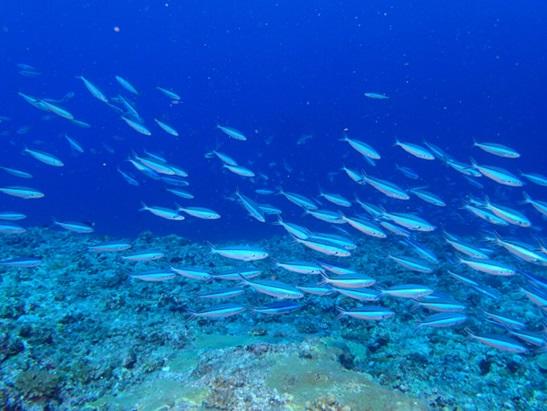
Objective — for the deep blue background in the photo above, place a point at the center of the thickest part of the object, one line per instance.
(453, 70)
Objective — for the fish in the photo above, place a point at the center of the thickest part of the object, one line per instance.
(299, 200)
(360, 294)
(21, 262)
(275, 289)
(319, 290)
(521, 250)
(75, 226)
(163, 212)
(130, 110)
(376, 96)
(80, 123)
(154, 276)
(278, 307)
(500, 342)
(169, 93)
(181, 193)
(144, 255)
(507, 214)
(11, 228)
(200, 212)
(441, 304)
(469, 250)
(387, 188)
(16, 172)
(407, 172)
(129, 178)
(414, 291)
(44, 157)
(497, 149)
(138, 127)
(241, 253)
(253, 209)
(395, 229)
(536, 178)
(463, 168)
(410, 221)
(353, 175)
(94, 90)
(370, 313)
(167, 128)
(193, 273)
(126, 85)
(421, 250)
(536, 296)
(225, 158)
(374, 210)
(295, 230)
(236, 275)
(328, 216)
(110, 247)
(498, 174)
(416, 150)
(509, 323)
(323, 247)
(270, 209)
(26, 193)
(488, 266)
(232, 133)
(365, 227)
(412, 264)
(219, 311)
(223, 293)
(530, 337)
(486, 215)
(335, 239)
(74, 145)
(336, 199)
(428, 197)
(239, 170)
(540, 206)
(12, 216)
(362, 148)
(301, 267)
(351, 281)
(444, 319)
(154, 164)
(57, 110)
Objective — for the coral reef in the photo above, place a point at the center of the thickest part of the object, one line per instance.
(78, 333)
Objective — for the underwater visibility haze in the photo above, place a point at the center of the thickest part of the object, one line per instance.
(289, 205)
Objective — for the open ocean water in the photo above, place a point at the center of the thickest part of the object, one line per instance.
(289, 205)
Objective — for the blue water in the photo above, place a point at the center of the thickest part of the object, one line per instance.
(275, 71)
(290, 75)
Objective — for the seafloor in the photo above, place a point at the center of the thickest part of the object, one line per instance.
(79, 334)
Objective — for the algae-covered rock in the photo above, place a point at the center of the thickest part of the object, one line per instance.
(37, 385)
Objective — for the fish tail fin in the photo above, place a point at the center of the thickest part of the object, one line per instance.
(527, 198)
(341, 312)
(473, 162)
(468, 331)
(415, 306)
(278, 221)
(143, 206)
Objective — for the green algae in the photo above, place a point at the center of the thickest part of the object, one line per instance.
(163, 390)
(307, 380)
(310, 380)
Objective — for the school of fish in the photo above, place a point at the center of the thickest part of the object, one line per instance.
(511, 228)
